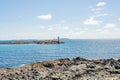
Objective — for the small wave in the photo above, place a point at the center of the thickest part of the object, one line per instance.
(22, 65)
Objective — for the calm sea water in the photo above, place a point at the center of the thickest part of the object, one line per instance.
(16, 55)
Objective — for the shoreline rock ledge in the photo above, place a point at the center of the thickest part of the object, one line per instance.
(65, 69)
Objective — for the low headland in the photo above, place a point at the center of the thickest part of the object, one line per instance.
(65, 69)
(32, 42)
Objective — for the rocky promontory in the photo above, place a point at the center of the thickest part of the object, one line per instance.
(32, 42)
(65, 69)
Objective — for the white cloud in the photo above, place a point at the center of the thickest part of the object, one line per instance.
(101, 14)
(110, 26)
(45, 17)
(92, 21)
(85, 29)
(100, 4)
(50, 28)
(98, 30)
(97, 9)
(107, 33)
(118, 19)
(98, 12)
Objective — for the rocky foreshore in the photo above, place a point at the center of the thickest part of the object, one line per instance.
(65, 69)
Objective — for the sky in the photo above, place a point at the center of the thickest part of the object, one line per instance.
(47, 19)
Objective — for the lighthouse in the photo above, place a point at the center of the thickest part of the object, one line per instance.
(58, 40)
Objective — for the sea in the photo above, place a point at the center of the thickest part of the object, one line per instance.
(16, 55)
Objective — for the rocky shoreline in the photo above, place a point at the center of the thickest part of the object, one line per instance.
(65, 69)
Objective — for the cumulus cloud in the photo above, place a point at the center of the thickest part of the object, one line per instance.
(45, 17)
(100, 4)
(92, 21)
(110, 26)
(98, 12)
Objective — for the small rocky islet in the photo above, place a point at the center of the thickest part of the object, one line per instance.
(32, 42)
(65, 69)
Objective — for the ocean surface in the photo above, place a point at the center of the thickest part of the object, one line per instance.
(18, 54)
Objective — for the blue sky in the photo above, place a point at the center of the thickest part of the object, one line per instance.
(47, 19)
